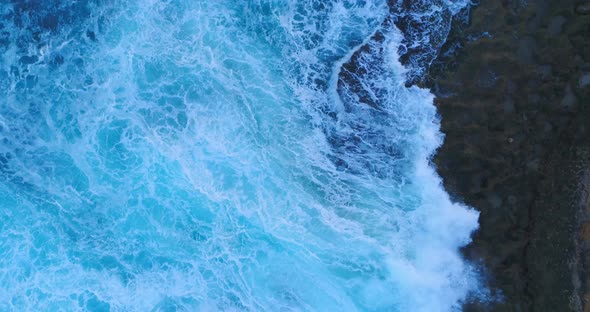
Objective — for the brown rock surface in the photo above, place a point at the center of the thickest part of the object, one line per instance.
(517, 147)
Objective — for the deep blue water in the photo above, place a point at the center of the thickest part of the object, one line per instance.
(193, 155)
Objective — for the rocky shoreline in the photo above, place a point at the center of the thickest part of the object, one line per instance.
(513, 91)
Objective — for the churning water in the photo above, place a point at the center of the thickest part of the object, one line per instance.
(224, 155)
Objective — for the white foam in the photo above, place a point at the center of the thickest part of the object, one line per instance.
(188, 158)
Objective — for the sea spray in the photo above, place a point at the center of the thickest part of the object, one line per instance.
(202, 155)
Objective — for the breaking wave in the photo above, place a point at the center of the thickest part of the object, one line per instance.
(182, 155)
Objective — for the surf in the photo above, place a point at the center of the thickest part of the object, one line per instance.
(198, 155)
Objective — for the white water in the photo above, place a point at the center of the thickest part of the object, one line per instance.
(198, 156)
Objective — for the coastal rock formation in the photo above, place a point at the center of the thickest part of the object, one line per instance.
(512, 89)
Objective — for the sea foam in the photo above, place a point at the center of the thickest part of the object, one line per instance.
(200, 155)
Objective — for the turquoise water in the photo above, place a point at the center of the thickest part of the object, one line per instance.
(191, 155)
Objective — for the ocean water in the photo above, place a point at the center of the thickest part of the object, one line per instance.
(198, 155)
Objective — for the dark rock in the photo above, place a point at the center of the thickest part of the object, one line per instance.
(556, 25)
(533, 165)
(569, 100)
(495, 201)
(526, 49)
(508, 105)
(487, 78)
(583, 8)
(545, 71)
(548, 127)
(512, 147)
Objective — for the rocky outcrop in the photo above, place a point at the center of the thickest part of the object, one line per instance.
(514, 96)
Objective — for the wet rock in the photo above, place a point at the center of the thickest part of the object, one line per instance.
(556, 25)
(519, 134)
(534, 99)
(545, 71)
(548, 127)
(569, 100)
(495, 201)
(526, 49)
(583, 8)
(533, 165)
(508, 105)
(487, 78)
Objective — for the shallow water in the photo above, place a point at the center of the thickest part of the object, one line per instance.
(200, 155)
